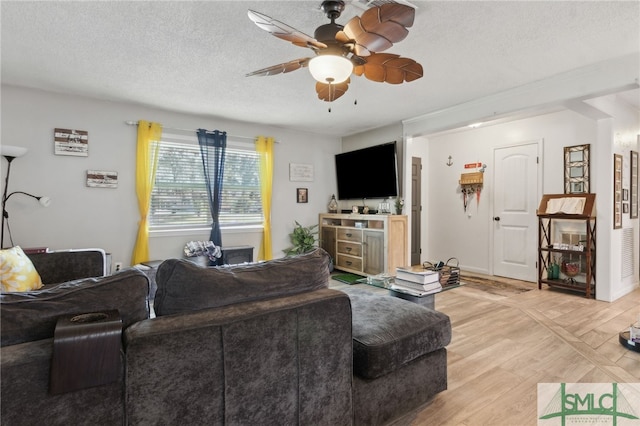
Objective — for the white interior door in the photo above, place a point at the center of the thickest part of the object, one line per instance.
(516, 199)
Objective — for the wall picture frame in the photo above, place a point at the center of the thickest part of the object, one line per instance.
(633, 185)
(300, 172)
(102, 179)
(617, 191)
(302, 195)
(576, 169)
(71, 142)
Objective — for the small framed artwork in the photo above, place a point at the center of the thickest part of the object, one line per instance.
(102, 179)
(71, 142)
(302, 195)
(633, 212)
(300, 172)
(625, 194)
(617, 191)
(625, 207)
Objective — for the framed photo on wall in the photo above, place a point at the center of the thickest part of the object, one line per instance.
(71, 142)
(300, 172)
(102, 179)
(302, 195)
(617, 191)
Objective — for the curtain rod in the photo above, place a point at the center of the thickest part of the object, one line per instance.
(135, 123)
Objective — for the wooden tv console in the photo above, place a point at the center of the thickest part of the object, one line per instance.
(368, 244)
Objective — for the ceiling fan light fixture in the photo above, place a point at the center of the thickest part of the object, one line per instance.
(330, 69)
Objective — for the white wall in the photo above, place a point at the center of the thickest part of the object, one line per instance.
(621, 131)
(108, 218)
(466, 235)
(448, 231)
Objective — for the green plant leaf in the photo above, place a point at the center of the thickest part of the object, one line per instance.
(303, 239)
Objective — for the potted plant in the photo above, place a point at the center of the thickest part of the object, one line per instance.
(303, 239)
(399, 205)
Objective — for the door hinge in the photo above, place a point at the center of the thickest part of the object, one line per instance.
(537, 160)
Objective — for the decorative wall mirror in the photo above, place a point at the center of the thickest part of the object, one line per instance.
(576, 169)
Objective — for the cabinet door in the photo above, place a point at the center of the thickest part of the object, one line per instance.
(328, 241)
(397, 247)
(373, 252)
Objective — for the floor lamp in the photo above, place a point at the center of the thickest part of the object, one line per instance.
(11, 153)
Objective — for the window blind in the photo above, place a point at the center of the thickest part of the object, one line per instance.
(179, 198)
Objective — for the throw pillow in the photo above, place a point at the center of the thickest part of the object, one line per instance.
(17, 273)
(184, 286)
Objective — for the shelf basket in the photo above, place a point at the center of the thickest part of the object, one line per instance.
(449, 273)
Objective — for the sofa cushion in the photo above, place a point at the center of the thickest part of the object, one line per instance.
(68, 265)
(17, 273)
(26, 399)
(184, 286)
(33, 315)
(389, 332)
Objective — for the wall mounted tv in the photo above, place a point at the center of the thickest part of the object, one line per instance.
(367, 173)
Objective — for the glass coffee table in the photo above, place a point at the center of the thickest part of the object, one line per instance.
(427, 300)
(376, 281)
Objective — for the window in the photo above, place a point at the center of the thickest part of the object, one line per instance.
(179, 198)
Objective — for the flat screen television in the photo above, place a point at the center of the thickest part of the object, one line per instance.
(367, 173)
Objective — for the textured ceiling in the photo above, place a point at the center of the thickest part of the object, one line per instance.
(192, 57)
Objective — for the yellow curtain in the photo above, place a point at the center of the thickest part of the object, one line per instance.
(264, 147)
(149, 135)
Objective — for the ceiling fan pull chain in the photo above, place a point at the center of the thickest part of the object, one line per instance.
(332, 90)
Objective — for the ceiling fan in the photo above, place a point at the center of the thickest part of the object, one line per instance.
(352, 49)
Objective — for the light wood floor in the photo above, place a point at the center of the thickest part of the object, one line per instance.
(503, 345)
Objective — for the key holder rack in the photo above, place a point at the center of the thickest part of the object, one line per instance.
(471, 183)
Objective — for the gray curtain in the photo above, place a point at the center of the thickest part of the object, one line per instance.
(213, 145)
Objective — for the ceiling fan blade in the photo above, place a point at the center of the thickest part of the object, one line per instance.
(284, 31)
(331, 92)
(378, 28)
(281, 68)
(389, 68)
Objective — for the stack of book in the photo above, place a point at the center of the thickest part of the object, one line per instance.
(416, 281)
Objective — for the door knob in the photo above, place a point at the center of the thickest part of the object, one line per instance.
(497, 218)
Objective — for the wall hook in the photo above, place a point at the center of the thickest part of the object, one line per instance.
(450, 162)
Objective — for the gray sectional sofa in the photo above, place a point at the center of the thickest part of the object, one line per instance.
(265, 343)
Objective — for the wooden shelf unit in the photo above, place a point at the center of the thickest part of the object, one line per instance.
(547, 238)
(368, 244)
